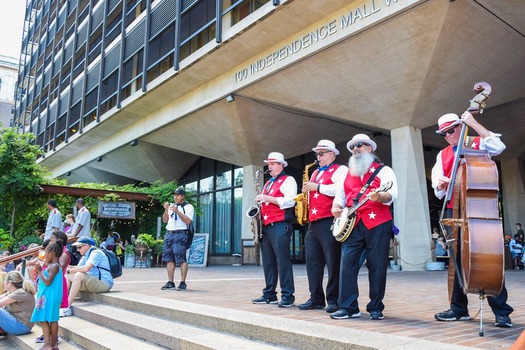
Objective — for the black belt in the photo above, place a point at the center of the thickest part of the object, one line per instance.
(278, 222)
(177, 231)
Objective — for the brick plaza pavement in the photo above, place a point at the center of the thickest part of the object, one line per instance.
(411, 300)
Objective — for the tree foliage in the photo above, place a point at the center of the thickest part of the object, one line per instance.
(20, 175)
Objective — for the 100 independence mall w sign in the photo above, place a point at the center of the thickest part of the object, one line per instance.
(359, 15)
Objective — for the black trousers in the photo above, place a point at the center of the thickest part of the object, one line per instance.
(277, 263)
(459, 302)
(375, 243)
(322, 249)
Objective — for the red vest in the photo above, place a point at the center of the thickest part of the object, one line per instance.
(320, 204)
(372, 213)
(447, 160)
(272, 212)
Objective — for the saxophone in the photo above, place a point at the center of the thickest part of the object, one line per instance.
(254, 212)
(302, 207)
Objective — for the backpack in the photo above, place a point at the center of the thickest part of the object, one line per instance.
(191, 229)
(74, 257)
(115, 267)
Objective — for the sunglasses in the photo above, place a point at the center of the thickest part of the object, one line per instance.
(320, 154)
(357, 145)
(449, 131)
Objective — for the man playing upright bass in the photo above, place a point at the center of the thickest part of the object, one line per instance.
(449, 126)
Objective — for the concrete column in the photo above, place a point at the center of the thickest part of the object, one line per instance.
(513, 191)
(411, 212)
(248, 196)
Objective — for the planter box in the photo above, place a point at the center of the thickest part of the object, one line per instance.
(435, 266)
(129, 260)
(394, 267)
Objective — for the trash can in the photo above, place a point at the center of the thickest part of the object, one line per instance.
(237, 260)
(250, 252)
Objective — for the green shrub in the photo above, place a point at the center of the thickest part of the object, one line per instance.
(145, 239)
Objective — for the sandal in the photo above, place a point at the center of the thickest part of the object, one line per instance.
(40, 339)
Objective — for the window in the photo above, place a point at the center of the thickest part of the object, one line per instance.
(90, 101)
(193, 25)
(160, 56)
(245, 9)
(218, 188)
(109, 85)
(134, 9)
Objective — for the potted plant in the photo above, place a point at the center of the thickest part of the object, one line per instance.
(394, 264)
(143, 246)
(129, 255)
(157, 252)
(145, 239)
(434, 265)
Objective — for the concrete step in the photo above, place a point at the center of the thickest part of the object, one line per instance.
(27, 341)
(285, 332)
(166, 333)
(93, 336)
(75, 333)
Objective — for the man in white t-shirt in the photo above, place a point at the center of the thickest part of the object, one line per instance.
(54, 220)
(82, 225)
(177, 216)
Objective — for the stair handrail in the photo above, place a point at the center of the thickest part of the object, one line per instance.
(27, 252)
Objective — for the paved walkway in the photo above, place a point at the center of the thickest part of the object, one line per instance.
(411, 300)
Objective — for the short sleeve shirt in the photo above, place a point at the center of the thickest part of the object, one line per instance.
(53, 220)
(176, 223)
(84, 219)
(22, 308)
(98, 259)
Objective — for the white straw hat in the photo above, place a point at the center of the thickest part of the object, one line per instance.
(447, 121)
(276, 157)
(325, 145)
(361, 138)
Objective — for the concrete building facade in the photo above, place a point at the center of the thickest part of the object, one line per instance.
(202, 90)
(8, 77)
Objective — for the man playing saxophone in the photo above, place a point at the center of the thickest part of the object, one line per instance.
(320, 245)
(277, 201)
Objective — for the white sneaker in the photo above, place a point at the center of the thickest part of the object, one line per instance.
(66, 312)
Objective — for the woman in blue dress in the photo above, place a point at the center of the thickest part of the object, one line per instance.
(49, 296)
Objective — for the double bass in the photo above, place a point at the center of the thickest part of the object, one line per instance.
(475, 221)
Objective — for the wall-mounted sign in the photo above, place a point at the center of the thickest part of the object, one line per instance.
(116, 210)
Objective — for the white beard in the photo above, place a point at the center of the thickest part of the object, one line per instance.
(360, 163)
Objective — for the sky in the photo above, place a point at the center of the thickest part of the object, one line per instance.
(11, 26)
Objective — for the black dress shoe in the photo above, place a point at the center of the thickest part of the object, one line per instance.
(343, 314)
(376, 315)
(309, 305)
(330, 308)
